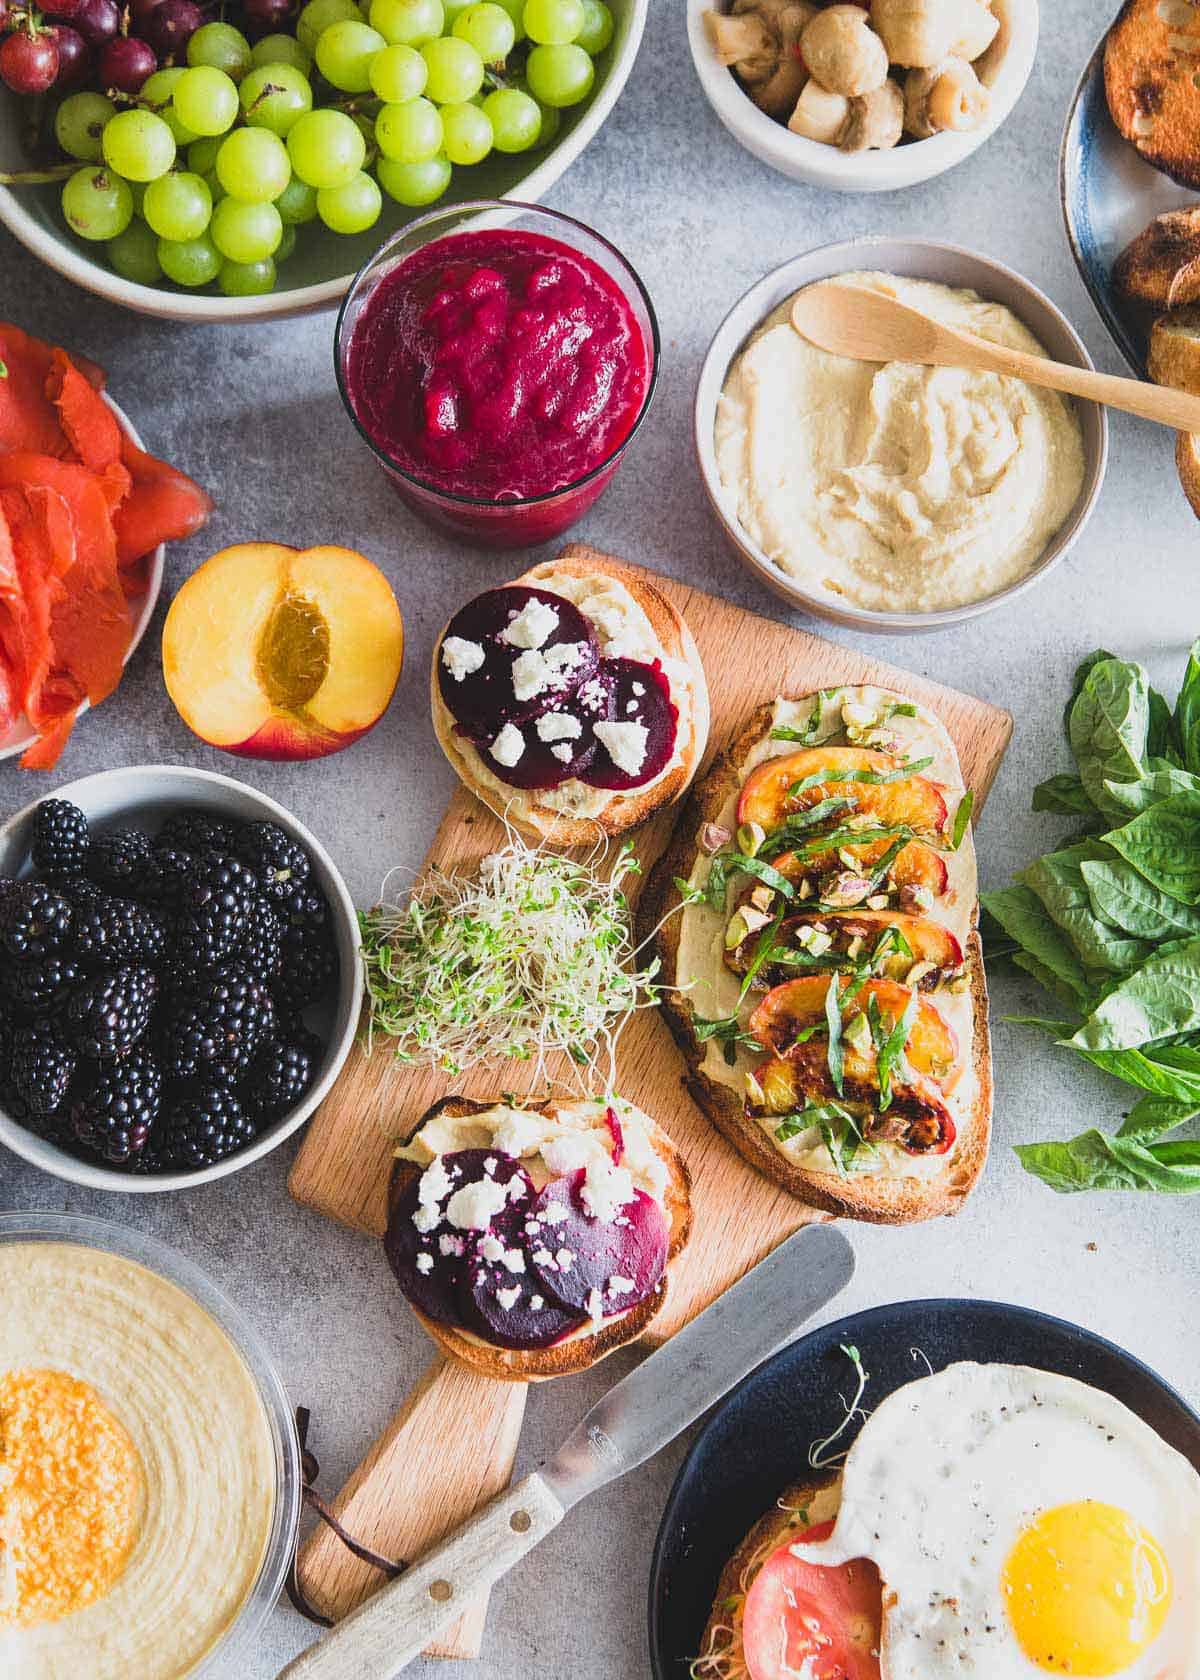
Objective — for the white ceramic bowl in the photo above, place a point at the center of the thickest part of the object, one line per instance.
(1005, 69)
(158, 1258)
(21, 735)
(324, 264)
(924, 259)
(141, 798)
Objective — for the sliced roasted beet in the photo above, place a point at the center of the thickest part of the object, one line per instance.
(483, 701)
(429, 1265)
(572, 1257)
(539, 766)
(488, 1306)
(641, 694)
(616, 1133)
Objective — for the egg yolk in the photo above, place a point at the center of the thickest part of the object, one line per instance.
(1086, 1590)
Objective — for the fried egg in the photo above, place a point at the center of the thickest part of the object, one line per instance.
(1023, 1524)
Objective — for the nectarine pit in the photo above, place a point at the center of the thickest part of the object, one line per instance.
(292, 656)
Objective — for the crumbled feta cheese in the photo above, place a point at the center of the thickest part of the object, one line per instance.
(595, 1306)
(536, 1303)
(425, 1219)
(475, 1206)
(450, 1247)
(508, 1298)
(566, 1154)
(554, 1213)
(631, 708)
(461, 657)
(564, 1259)
(638, 688)
(606, 1190)
(534, 672)
(508, 746)
(543, 1257)
(621, 1286)
(593, 695)
(491, 1248)
(516, 1189)
(625, 743)
(425, 1262)
(559, 726)
(513, 1260)
(489, 1166)
(564, 752)
(531, 627)
(519, 1133)
(532, 1227)
(435, 1185)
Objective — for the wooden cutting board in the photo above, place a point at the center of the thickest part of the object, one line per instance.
(452, 1445)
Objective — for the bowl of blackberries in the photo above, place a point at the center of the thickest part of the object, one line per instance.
(179, 978)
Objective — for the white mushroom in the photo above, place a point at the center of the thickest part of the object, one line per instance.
(743, 43)
(920, 33)
(759, 41)
(979, 31)
(875, 121)
(819, 114)
(947, 97)
(843, 52)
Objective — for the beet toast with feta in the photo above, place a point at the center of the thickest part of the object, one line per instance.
(758, 1061)
(597, 750)
(571, 1338)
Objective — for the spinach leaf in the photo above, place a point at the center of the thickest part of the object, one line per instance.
(1163, 845)
(1160, 999)
(1124, 897)
(1187, 712)
(1093, 1161)
(1159, 783)
(1108, 726)
(1058, 881)
(1064, 795)
(1023, 917)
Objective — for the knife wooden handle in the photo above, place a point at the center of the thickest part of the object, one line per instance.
(384, 1635)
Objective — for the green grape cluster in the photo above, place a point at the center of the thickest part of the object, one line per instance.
(209, 173)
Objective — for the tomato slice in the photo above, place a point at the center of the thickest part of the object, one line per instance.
(817, 1620)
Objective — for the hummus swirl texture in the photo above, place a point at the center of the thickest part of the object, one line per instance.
(896, 487)
(176, 1383)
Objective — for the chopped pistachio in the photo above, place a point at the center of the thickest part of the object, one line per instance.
(961, 981)
(736, 930)
(804, 890)
(857, 1033)
(858, 716)
(763, 896)
(877, 901)
(754, 918)
(917, 973)
(754, 1090)
(855, 947)
(713, 837)
(848, 858)
(750, 837)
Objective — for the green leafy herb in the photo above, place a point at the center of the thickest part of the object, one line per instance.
(1059, 882)
(1163, 844)
(783, 838)
(874, 778)
(900, 708)
(961, 818)
(1187, 713)
(1108, 727)
(1122, 896)
(833, 1020)
(1160, 782)
(1023, 917)
(1064, 795)
(1161, 999)
(889, 1043)
(1094, 1161)
(812, 728)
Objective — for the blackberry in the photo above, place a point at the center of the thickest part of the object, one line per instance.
(41, 1067)
(111, 1013)
(116, 930)
(61, 837)
(35, 919)
(213, 924)
(281, 1074)
(279, 864)
(308, 969)
(168, 875)
(118, 860)
(215, 1037)
(262, 948)
(36, 988)
(114, 1117)
(304, 909)
(78, 890)
(196, 831)
(203, 1127)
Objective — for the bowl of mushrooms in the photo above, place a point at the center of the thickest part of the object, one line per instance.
(863, 98)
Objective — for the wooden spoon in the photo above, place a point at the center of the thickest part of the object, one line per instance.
(871, 327)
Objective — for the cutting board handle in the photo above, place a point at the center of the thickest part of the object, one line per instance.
(448, 1450)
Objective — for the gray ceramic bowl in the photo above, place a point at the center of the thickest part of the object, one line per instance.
(142, 797)
(923, 259)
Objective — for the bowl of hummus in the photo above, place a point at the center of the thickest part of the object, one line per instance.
(150, 1476)
(888, 496)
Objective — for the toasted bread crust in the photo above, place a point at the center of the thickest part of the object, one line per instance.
(891, 1201)
(624, 810)
(1154, 102)
(1161, 267)
(1174, 357)
(1187, 464)
(819, 1491)
(580, 1352)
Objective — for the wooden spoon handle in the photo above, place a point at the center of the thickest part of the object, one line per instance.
(1150, 402)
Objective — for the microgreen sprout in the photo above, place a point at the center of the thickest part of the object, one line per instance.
(824, 1455)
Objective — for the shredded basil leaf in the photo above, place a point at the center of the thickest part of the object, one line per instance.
(874, 778)
(811, 730)
(961, 818)
(833, 1019)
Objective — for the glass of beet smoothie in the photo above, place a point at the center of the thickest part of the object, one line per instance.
(497, 358)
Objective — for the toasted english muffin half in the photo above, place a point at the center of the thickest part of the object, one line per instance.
(577, 815)
(587, 1346)
(887, 1186)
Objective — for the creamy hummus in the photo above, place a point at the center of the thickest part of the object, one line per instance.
(712, 989)
(177, 1386)
(895, 487)
(624, 632)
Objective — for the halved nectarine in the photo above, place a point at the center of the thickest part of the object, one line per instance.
(283, 653)
(927, 942)
(787, 1010)
(915, 865)
(770, 794)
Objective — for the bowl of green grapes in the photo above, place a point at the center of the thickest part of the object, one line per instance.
(197, 161)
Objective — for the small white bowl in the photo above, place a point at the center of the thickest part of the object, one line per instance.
(21, 736)
(1005, 68)
(141, 798)
(923, 259)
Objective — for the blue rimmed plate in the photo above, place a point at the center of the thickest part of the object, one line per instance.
(757, 1440)
(1109, 194)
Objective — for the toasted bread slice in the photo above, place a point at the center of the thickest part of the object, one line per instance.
(1174, 357)
(879, 1199)
(799, 1506)
(1160, 269)
(1187, 463)
(584, 1349)
(622, 811)
(1151, 60)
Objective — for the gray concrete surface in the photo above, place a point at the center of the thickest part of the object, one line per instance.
(254, 415)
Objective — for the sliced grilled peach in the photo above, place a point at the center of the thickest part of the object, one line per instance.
(917, 1118)
(915, 865)
(928, 943)
(788, 1010)
(769, 795)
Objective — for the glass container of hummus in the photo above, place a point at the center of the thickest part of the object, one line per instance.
(120, 1330)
